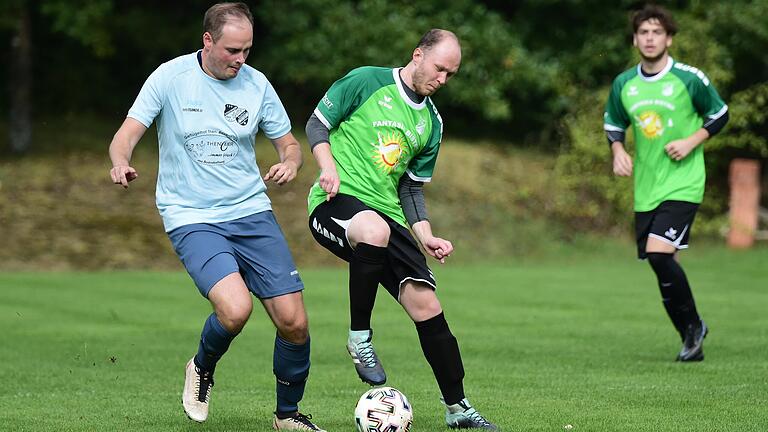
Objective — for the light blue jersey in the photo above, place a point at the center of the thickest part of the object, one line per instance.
(206, 129)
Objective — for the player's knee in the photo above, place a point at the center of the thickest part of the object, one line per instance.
(294, 329)
(234, 316)
(373, 232)
(660, 261)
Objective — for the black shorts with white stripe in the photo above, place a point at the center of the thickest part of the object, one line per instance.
(669, 222)
(329, 222)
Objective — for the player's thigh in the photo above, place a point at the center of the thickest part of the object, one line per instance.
(205, 253)
(408, 277)
(263, 257)
(231, 301)
(419, 300)
(670, 227)
(330, 223)
(289, 316)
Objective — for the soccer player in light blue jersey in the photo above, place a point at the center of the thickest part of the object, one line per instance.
(208, 106)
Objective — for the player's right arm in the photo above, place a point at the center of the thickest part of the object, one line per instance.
(121, 149)
(615, 124)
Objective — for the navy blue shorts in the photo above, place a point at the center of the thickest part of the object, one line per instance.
(253, 246)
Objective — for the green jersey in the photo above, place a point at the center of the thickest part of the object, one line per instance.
(668, 106)
(377, 134)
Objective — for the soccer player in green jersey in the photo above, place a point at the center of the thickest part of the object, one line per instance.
(672, 108)
(375, 135)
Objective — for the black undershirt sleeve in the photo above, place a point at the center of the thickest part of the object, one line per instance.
(714, 126)
(614, 136)
(316, 132)
(411, 194)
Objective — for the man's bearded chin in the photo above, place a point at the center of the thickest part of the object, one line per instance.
(654, 58)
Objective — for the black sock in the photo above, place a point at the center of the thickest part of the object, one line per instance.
(366, 268)
(675, 291)
(442, 353)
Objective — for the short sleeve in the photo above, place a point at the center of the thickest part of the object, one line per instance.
(274, 119)
(615, 117)
(344, 96)
(422, 166)
(706, 100)
(151, 98)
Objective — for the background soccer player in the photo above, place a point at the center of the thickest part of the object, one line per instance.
(376, 135)
(209, 105)
(672, 108)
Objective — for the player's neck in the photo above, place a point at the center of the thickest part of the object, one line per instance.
(203, 64)
(654, 66)
(406, 74)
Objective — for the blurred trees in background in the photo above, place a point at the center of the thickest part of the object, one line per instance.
(534, 73)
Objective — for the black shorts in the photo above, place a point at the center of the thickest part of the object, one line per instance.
(670, 222)
(329, 221)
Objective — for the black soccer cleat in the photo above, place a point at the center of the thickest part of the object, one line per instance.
(693, 342)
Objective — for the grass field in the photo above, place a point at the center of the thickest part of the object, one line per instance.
(573, 338)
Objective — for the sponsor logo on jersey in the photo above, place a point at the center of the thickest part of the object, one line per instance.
(632, 91)
(668, 89)
(387, 150)
(211, 147)
(327, 102)
(234, 113)
(650, 123)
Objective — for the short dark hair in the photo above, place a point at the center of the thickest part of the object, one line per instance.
(652, 11)
(433, 37)
(217, 16)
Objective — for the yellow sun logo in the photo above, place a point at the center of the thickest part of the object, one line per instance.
(651, 124)
(387, 150)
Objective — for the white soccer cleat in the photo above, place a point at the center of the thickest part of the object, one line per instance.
(298, 422)
(461, 415)
(197, 392)
(367, 364)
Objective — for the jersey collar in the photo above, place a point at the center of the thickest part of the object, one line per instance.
(658, 76)
(403, 95)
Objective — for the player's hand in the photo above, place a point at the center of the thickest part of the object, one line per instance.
(679, 149)
(622, 163)
(123, 174)
(281, 173)
(329, 182)
(438, 248)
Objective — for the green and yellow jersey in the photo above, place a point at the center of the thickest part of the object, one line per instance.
(668, 106)
(377, 134)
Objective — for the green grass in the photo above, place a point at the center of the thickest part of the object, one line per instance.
(575, 338)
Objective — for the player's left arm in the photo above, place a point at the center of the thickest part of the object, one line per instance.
(289, 151)
(411, 193)
(711, 108)
(435, 247)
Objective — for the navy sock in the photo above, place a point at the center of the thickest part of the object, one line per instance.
(675, 290)
(366, 269)
(214, 342)
(442, 353)
(291, 367)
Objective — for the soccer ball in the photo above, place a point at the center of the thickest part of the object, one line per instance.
(383, 409)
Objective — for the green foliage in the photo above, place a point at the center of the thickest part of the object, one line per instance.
(84, 20)
(323, 39)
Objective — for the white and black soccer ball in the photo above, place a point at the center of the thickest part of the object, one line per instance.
(383, 409)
